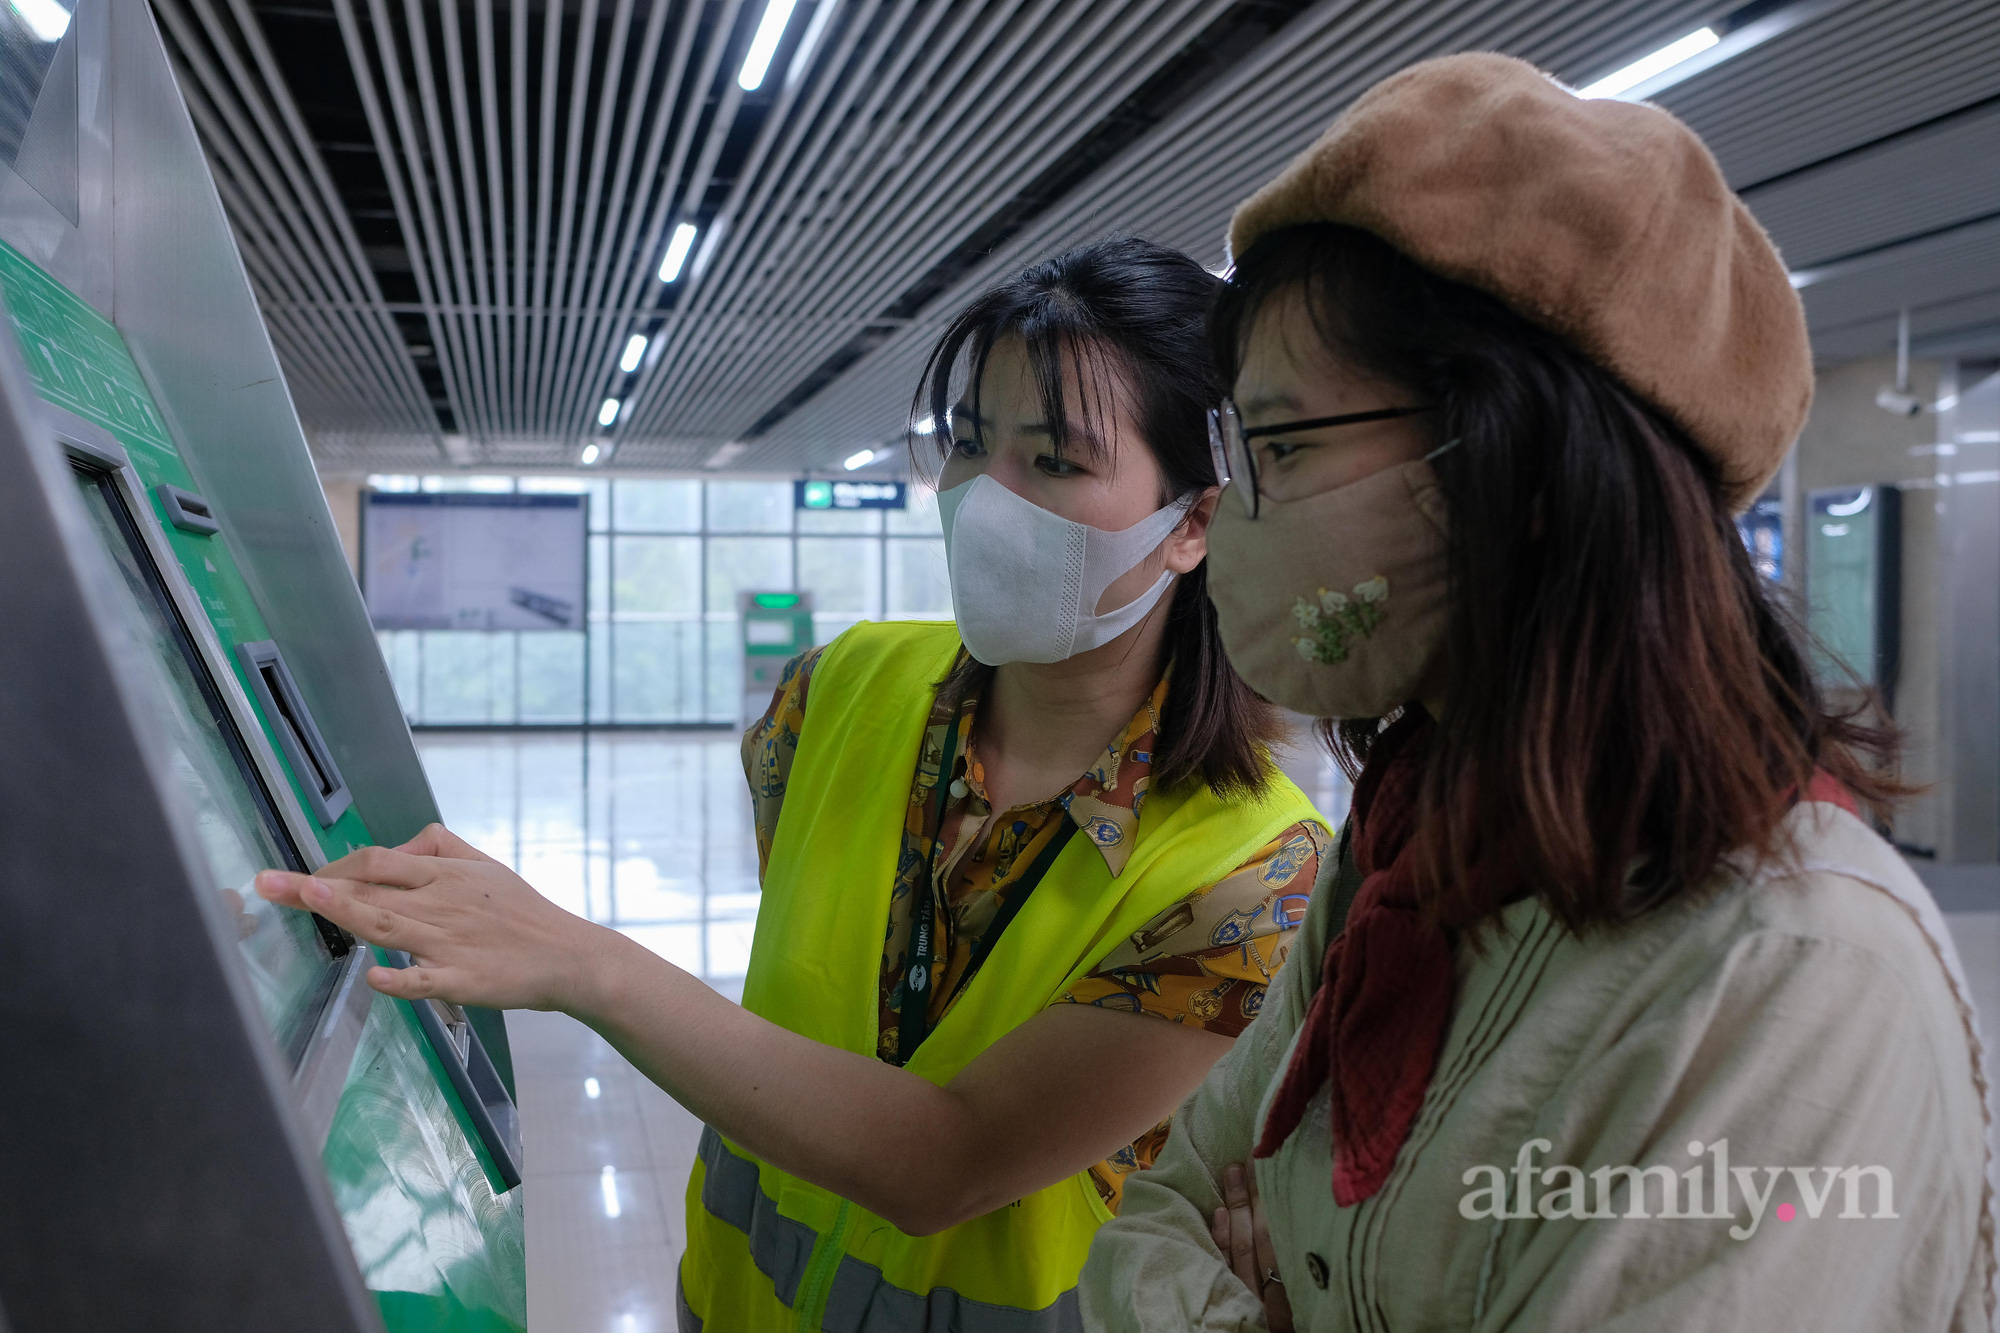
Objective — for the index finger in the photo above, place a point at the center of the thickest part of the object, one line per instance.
(382, 865)
(355, 906)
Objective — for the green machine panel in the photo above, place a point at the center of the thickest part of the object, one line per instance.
(436, 1229)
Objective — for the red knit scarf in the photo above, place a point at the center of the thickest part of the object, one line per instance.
(1384, 998)
(1379, 1017)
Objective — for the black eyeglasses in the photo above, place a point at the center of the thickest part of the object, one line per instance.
(1229, 442)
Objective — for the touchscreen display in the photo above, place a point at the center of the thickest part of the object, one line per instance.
(287, 962)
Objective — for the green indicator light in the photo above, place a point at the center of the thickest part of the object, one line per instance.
(819, 495)
(776, 601)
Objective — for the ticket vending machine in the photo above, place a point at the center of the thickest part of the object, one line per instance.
(208, 1120)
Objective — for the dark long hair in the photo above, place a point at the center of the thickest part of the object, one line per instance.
(1124, 316)
(1623, 686)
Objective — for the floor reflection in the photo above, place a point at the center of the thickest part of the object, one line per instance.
(647, 832)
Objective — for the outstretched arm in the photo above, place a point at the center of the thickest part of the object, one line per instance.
(1064, 1090)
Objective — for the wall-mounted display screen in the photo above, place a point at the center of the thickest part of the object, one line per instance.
(472, 561)
(1853, 582)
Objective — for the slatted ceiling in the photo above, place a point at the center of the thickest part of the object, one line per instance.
(1839, 81)
(1917, 182)
(1966, 325)
(453, 212)
(852, 411)
(1180, 183)
(911, 186)
(1862, 70)
(1923, 274)
(319, 293)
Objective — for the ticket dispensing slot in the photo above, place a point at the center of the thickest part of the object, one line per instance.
(298, 735)
(485, 1098)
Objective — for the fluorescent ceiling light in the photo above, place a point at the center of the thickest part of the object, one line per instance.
(1646, 67)
(635, 351)
(607, 413)
(862, 459)
(926, 426)
(765, 44)
(725, 454)
(1702, 49)
(677, 251)
(591, 1089)
(48, 20)
(590, 455)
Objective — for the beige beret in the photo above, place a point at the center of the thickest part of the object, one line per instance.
(1608, 223)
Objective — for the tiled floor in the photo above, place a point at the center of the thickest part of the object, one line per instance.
(649, 832)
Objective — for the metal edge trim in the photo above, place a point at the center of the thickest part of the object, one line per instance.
(476, 1109)
(321, 1075)
(277, 780)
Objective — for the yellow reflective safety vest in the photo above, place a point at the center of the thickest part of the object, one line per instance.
(766, 1250)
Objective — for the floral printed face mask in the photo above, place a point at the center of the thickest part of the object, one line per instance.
(1334, 604)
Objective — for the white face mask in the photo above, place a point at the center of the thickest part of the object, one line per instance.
(1025, 582)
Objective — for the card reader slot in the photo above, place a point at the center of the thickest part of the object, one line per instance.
(298, 735)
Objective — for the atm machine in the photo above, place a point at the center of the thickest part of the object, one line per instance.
(207, 1119)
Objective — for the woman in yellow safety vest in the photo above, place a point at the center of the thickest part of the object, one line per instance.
(943, 1068)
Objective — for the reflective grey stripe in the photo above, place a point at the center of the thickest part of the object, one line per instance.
(862, 1300)
(780, 1246)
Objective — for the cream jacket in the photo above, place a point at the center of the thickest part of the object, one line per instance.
(1806, 1023)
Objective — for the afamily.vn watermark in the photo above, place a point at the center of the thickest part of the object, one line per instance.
(1702, 1191)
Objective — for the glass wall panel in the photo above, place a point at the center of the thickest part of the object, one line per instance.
(725, 671)
(550, 675)
(401, 654)
(919, 585)
(656, 671)
(854, 521)
(656, 574)
(668, 558)
(600, 670)
(746, 564)
(467, 676)
(921, 518)
(657, 506)
(749, 506)
(598, 555)
(844, 575)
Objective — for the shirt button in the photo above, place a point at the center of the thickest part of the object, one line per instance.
(1317, 1267)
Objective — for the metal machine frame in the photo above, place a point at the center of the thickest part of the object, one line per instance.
(154, 1176)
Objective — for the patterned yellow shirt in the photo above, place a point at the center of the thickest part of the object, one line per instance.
(1205, 961)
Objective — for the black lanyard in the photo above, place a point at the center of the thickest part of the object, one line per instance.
(913, 1021)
